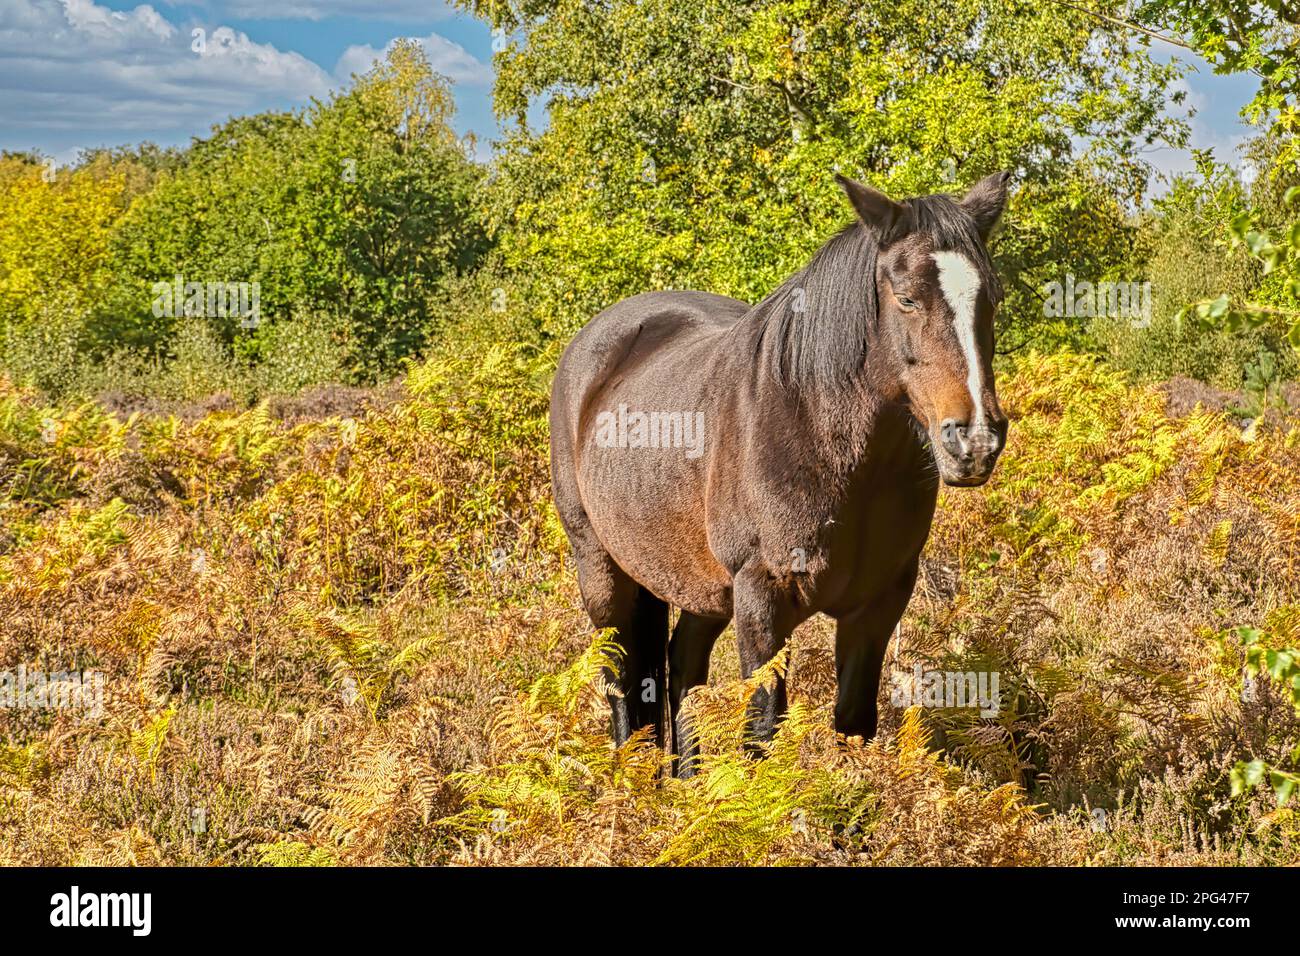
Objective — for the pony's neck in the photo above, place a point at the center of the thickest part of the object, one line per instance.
(817, 354)
(815, 328)
(846, 425)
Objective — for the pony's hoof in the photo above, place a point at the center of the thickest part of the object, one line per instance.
(846, 836)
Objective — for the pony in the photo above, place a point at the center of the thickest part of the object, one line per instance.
(761, 464)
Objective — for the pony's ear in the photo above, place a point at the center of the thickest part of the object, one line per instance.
(985, 202)
(873, 208)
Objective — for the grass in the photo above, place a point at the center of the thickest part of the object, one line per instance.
(359, 641)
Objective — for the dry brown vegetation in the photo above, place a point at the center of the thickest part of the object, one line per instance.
(357, 640)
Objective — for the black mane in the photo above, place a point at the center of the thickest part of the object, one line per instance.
(826, 342)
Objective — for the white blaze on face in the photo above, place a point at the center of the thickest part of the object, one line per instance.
(960, 282)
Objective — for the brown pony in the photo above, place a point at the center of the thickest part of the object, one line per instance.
(764, 463)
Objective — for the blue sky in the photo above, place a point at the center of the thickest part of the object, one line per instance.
(82, 73)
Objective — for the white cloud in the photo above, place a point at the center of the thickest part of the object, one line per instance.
(1209, 127)
(68, 65)
(450, 59)
(325, 9)
(105, 24)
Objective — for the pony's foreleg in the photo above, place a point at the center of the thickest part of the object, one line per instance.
(761, 631)
(861, 637)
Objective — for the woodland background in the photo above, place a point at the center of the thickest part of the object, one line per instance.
(316, 560)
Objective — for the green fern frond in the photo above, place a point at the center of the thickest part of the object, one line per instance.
(147, 742)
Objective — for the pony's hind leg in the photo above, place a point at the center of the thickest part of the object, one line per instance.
(688, 666)
(646, 674)
(613, 599)
(640, 620)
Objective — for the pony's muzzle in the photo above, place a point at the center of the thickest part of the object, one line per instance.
(971, 452)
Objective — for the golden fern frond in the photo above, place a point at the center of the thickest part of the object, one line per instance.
(1216, 543)
(379, 788)
(135, 631)
(21, 765)
(413, 655)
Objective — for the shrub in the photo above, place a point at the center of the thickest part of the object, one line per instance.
(357, 640)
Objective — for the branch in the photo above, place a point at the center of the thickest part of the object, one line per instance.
(739, 86)
(1115, 21)
(1012, 350)
(793, 102)
(1030, 288)
(1271, 310)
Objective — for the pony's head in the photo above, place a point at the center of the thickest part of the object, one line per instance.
(936, 294)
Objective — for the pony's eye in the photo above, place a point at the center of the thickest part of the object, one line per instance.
(907, 304)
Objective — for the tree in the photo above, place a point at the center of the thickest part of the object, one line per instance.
(352, 210)
(54, 236)
(387, 200)
(1263, 39)
(695, 144)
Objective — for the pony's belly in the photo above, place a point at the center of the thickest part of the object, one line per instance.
(689, 587)
(651, 522)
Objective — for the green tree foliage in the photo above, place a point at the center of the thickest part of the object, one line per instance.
(55, 232)
(141, 166)
(354, 210)
(1183, 249)
(54, 229)
(695, 144)
(1238, 36)
(1260, 38)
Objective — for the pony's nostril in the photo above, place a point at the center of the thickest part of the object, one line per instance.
(986, 443)
(953, 435)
